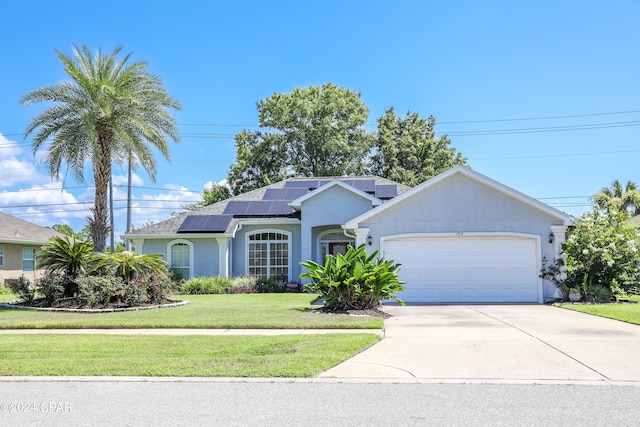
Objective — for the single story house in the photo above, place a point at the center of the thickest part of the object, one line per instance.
(460, 236)
(19, 242)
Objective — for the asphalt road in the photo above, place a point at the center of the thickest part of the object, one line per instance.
(164, 402)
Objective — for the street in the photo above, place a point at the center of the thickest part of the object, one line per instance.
(163, 402)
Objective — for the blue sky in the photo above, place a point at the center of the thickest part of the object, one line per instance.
(570, 68)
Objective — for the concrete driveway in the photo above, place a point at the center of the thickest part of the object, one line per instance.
(498, 342)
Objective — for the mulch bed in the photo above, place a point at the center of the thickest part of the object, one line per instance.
(374, 312)
(74, 303)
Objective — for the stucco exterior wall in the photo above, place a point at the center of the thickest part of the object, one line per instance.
(205, 253)
(12, 263)
(463, 205)
(329, 209)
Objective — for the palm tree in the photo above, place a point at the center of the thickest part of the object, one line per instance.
(110, 110)
(617, 197)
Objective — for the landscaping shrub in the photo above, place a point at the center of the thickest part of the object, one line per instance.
(354, 280)
(23, 288)
(243, 285)
(602, 257)
(158, 287)
(53, 286)
(205, 285)
(100, 290)
(270, 285)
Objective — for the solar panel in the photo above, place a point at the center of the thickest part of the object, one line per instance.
(193, 223)
(386, 191)
(294, 193)
(287, 194)
(366, 185)
(259, 208)
(280, 208)
(205, 223)
(236, 207)
(275, 194)
(301, 184)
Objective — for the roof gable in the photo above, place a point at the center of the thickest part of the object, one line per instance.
(297, 203)
(461, 170)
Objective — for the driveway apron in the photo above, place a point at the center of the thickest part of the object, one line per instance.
(498, 342)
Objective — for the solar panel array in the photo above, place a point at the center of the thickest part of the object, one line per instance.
(383, 191)
(205, 223)
(275, 202)
(257, 208)
(287, 194)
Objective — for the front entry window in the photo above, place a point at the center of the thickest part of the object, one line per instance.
(269, 255)
(334, 244)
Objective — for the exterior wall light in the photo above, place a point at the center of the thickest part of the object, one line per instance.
(551, 237)
(369, 240)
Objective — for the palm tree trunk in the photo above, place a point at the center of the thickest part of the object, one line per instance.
(101, 175)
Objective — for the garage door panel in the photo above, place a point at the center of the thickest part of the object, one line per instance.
(466, 269)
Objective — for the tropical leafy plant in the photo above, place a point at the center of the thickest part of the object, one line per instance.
(355, 280)
(68, 256)
(129, 265)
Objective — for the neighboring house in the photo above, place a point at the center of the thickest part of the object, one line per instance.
(460, 236)
(19, 242)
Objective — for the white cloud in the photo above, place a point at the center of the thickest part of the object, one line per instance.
(223, 182)
(122, 180)
(43, 204)
(16, 165)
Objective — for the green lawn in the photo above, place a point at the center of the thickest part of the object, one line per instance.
(202, 356)
(626, 312)
(240, 311)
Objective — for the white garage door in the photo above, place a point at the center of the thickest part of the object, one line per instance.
(467, 269)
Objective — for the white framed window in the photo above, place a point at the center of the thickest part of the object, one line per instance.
(28, 259)
(333, 242)
(1, 256)
(180, 253)
(269, 254)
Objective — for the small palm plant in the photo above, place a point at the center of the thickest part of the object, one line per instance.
(129, 265)
(67, 256)
(355, 280)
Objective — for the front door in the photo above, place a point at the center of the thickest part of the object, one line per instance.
(336, 248)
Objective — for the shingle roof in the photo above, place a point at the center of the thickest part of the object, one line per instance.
(16, 230)
(171, 225)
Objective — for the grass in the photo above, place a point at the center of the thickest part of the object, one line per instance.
(240, 311)
(163, 355)
(625, 312)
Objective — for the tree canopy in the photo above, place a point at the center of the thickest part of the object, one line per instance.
(618, 198)
(314, 131)
(407, 151)
(212, 195)
(110, 110)
(319, 131)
